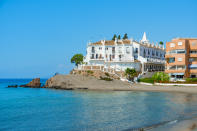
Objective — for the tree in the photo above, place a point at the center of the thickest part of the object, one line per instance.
(161, 43)
(160, 77)
(130, 73)
(77, 59)
(114, 37)
(125, 36)
(119, 37)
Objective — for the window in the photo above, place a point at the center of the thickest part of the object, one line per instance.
(153, 53)
(136, 50)
(135, 57)
(193, 51)
(192, 59)
(180, 43)
(120, 49)
(171, 60)
(92, 56)
(172, 45)
(144, 53)
(113, 49)
(180, 67)
(176, 52)
(100, 48)
(120, 57)
(179, 59)
(106, 48)
(180, 51)
(193, 76)
(179, 76)
(127, 50)
(100, 56)
(193, 66)
(96, 56)
(172, 68)
(156, 53)
(93, 50)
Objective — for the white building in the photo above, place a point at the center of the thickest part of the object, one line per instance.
(121, 54)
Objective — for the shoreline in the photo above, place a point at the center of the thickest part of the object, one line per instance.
(140, 88)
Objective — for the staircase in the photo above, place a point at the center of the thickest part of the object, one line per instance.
(147, 75)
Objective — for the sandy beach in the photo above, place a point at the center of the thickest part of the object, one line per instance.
(159, 88)
(76, 82)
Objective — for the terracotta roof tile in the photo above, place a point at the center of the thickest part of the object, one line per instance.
(126, 41)
(109, 42)
(96, 43)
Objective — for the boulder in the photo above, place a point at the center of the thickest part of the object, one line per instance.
(35, 83)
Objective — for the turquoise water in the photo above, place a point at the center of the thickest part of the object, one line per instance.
(48, 109)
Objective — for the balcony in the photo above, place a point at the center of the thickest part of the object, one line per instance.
(175, 71)
(180, 51)
(192, 55)
(193, 71)
(193, 62)
(174, 55)
(193, 68)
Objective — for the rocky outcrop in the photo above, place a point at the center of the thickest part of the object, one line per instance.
(12, 86)
(59, 81)
(35, 83)
(76, 81)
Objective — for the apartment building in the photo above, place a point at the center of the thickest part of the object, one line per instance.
(181, 58)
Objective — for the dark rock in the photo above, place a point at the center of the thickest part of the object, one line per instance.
(12, 86)
(35, 83)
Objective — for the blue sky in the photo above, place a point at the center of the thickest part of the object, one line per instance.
(38, 37)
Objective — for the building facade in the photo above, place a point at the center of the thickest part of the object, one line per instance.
(121, 54)
(181, 58)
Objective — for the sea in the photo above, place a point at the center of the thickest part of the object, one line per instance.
(35, 109)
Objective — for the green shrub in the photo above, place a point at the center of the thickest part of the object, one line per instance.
(147, 80)
(89, 72)
(191, 79)
(161, 77)
(105, 78)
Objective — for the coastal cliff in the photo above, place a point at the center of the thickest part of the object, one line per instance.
(77, 81)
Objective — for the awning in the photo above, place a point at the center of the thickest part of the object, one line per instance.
(177, 74)
(193, 66)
